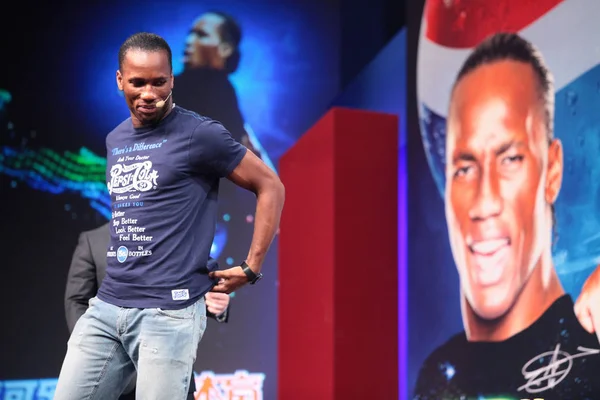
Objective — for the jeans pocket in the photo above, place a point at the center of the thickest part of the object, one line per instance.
(184, 313)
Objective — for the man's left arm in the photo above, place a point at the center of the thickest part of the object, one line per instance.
(254, 175)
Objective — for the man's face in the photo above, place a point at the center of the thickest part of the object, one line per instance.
(145, 78)
(204, 45)
(497, 186)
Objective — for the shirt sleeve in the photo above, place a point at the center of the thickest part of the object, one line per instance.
(213, 151)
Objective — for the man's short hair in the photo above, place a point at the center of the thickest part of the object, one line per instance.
(510, 46)
(146, 42)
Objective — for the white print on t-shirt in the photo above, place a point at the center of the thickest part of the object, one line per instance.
(138, 176)
(137, 147)
(542, 375)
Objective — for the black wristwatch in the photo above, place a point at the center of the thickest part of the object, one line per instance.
(252, 277)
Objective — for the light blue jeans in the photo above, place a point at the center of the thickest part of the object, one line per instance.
(109, 344)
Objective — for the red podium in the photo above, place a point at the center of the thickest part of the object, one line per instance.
(338, 260)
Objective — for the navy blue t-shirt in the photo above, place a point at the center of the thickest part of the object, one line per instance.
(163, 182)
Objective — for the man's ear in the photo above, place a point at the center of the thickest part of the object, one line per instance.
(555, 171)
(119, 80)
(225, 50)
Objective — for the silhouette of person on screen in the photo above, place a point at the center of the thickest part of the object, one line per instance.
(211, 54)
(504, 169)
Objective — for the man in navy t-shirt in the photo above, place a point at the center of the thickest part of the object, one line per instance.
(164, 164)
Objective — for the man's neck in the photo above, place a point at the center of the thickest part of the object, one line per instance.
(542, 289)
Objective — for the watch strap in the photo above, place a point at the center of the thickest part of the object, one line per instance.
(251, 275)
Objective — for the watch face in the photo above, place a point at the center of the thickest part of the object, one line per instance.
(258, 278)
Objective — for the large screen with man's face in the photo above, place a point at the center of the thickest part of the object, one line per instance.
(503, 186)
(59, 98)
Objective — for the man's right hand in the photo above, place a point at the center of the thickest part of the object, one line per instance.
(228, 280)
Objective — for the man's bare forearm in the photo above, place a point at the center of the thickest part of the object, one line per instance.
(269, 206)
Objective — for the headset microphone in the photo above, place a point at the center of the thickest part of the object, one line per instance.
(161, 103)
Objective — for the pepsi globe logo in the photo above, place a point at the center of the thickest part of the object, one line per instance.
(122, 253)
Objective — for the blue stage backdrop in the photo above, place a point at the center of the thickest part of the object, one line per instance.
(59, 99)
(442, 35)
